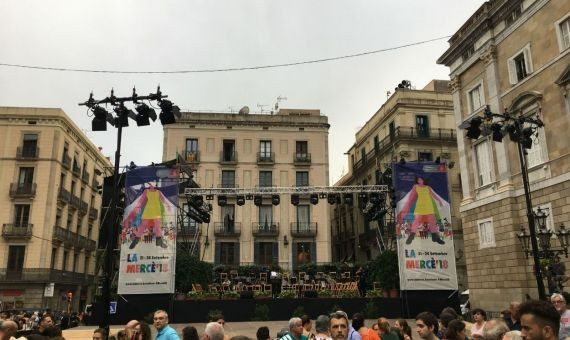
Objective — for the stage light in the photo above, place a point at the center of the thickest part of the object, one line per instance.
(473, 127)
(497, 132)
(209, 197)
(275, 199)
(348, 199)
(258, 200)
(375, 198)
(222, 200)
(331, 198)
(248, 197)
(169, 112)
(123, 115)
(362, 200)
(240, 200)
(322, 195)
(199, 200)
(144, 113)
(100, 119)
(295, 199)
(314, 199)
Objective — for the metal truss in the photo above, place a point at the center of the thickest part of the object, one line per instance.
(288, 190)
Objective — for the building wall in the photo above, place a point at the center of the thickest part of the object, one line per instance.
(283, 130)
(53, 128)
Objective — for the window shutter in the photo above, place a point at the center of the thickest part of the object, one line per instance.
(512, 71)
(275, 253)
(236, 253)
(217, 253)
(528, 59)
(256, 252)
(314, 252)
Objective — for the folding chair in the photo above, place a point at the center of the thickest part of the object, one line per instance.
(267, 287)
(263, 277)
(223, 277)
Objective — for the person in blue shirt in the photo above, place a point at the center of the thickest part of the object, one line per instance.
(164, 331)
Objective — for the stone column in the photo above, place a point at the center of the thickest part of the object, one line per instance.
(455, 85)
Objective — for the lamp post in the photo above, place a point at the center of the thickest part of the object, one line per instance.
(520, 129)
(100, 119)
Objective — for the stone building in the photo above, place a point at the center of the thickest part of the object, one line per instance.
(511, 55)
(49, 209)
(285, 149)
(416, 125)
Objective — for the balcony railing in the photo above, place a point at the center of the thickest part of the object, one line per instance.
(90, 245)
(265, 158)
(227, 184)
(17, 230)
(76, 170)
(75, 201)
(93, 213)
(44, 275)
(63, 196)
(227, 229)
(27, 152)
(192, 156)
(303, 229)
(302, 158)
(66, 161)
(83, 207)
(22, 190)
(265, 228)
(64, 236)
(85, 177)
(228, 157)
(187, 231)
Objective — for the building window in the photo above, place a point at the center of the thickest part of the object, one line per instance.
(265, 253)
(476, 98)
(482, 157)
(376, 144)
(189, 225)
(301, 149)
(302, 178)
(392, 130)
(303, 217)
(191, 149)
(65, 256)
(422, 126)
(363, 154)
(303, 253)
(536, 155)
(58, 214)
(228, 217)
(513, 15)
(229, 149)
(69, 220)
(265, 179)
(486, 233)
(16, 255)
(228, 179)
(468, 52)
(53, 258)
(265, 217)
(425, 157)
(21, 215)
(26, 177)
(227, 253)
(520, 65)
(75, 260)
(30, 145)
(265, 150)
(86, 265)
(563, 32)
(79, 223)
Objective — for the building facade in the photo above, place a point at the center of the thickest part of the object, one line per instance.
(49, 209)
(414, 125)
(510, 55)
(285, 149)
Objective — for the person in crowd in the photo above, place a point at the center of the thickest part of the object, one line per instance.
(512, 335)
(402, 326)
(353, 334)
(45, 322)
(307, 325)
(131, 329)
(164, 331)
(143, 331)
(513, 321)
(444, 319)
(190, 333)
(479, 320)
(100, 334)
(427, 326)
(365, 332)
(539, 320)
(240, 337)
(8, 329)
(384, 330)
(214, 331)
(322, 327)
(559, 303)
(295, 330)
(455, 330)
(122, 335)
(52, 332)
(339, 325)
(262, 333)
(494, 330)
(282, 332)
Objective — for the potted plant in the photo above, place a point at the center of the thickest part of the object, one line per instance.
(348, 294)
(287, 294)
(384, 269)
(262, 295)
(230, 295)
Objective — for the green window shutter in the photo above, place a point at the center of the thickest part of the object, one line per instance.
(314, 252)
(256, 252)
(236, 253)
(275, 253)
(217, 253)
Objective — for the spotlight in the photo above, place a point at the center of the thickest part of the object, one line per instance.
(249, 197)
(295, 199)
(331, 198)
(198, 200)
(322, 195)
(402, 160)
(473, 128)
(123, 115)
(240, 200)
(222, 200)
(275, 199)
(314, 199)
(348, 199)
(168, 113)
(209, 197)
(144, 113)
(497, 131)
(101, 118)
(258, 200)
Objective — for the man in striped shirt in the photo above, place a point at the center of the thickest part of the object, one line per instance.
(295, 330)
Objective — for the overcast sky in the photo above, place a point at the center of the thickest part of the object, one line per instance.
(168, 35)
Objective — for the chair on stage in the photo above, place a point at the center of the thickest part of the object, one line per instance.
(336, 289)
(307, 287)
(213, 287)
(302, 276)
(197, 287)
(376, 285)
(263, 277)
(347, 275)
(286, 276)
(332, 275)
(320, 275)
(223, 277)
(226, 288)
(233, 274)
(267, 287)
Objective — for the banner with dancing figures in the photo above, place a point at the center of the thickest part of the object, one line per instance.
(148, 233)
(426, 254)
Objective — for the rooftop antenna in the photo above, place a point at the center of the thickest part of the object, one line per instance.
(261, 106)
(279, 100)
(388, 94)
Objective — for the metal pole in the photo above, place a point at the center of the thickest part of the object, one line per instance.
(111, 235)
(530, 217)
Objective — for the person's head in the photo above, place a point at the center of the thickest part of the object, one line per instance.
(306, 321)
(262, 333)
(512, 335)
(383, 325)
(322, 324)
(514, 310)
(339, 325)
(8, 328)
(449, 310)
(122, 335)
(445, 318)
(144, 332)
(131, 324)
(402, 325)
(160, 319)
(240, 337)
(420, 181)
(100, 334)
(45, 322)
(214, 331)
(494, 329)
(190, 333)
(539, 320)
(426, 325)
(52, 331)
(357, 321)
(455, 330)
(296, 326)
(559, 302)
(479, 315)
(375, 327)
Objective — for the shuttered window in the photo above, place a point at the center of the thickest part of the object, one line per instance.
(486, 233)
(482, 156)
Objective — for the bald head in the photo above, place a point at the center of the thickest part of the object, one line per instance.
(9, 328)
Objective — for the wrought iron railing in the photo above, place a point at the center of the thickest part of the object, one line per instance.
(17, 230)
(22, 190)
(265, 228)
(303, 229)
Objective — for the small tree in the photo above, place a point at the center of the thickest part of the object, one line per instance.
(190, 270)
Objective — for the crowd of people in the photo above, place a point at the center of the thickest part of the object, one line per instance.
(531, 320)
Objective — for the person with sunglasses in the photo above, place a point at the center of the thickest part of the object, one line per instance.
(559, 303)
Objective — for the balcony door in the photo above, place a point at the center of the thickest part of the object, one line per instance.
(26, 178)
(228, 217)
(191, 149)
(16, 256)
(30, 144)
(302, 150)
(229, 148)
(303, 218)
(422, 126)
(265, 149)
(265, 217)
(21, 215)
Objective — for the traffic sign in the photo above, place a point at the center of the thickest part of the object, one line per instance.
(113, 307)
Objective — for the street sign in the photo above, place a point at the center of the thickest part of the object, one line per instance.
(49, 289)
(113, 307)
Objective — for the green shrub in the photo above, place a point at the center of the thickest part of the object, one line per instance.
(299, 311)
(348, 294)
(189, 270)
(261, 313)
(261, 295)
(195, 295)
(375, 293)
(230, 295)
(210, 295)
(288, 294)
(326, 293)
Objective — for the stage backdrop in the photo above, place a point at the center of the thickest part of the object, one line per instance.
(426, 254)
(148, 237)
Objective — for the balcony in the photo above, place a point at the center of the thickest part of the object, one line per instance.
(66, 161)
(188, 231)
(265, 229)
(228, 158)
(63, 196)
(83, 207)
(17, 230)
(301, 159)
(93, 213)
(192, 156)
(75, 202)
(22, 190)
(303, 229)
(80, 242)
(85, 177)
(64, 236)
(90, 245)
(265, 158)
(27, 152)
(224, 229)
(44, 275)
(76, 170)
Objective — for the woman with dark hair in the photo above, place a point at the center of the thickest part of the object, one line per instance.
(455, 330)
(307, 325)
(144, 332)
(403, 328)
(365, 332)
(479, 318)
(190, 333)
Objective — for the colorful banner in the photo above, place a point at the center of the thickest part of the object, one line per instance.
(148, 237)
(426, 253)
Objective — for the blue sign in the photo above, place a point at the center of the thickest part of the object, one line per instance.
(113, 307)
